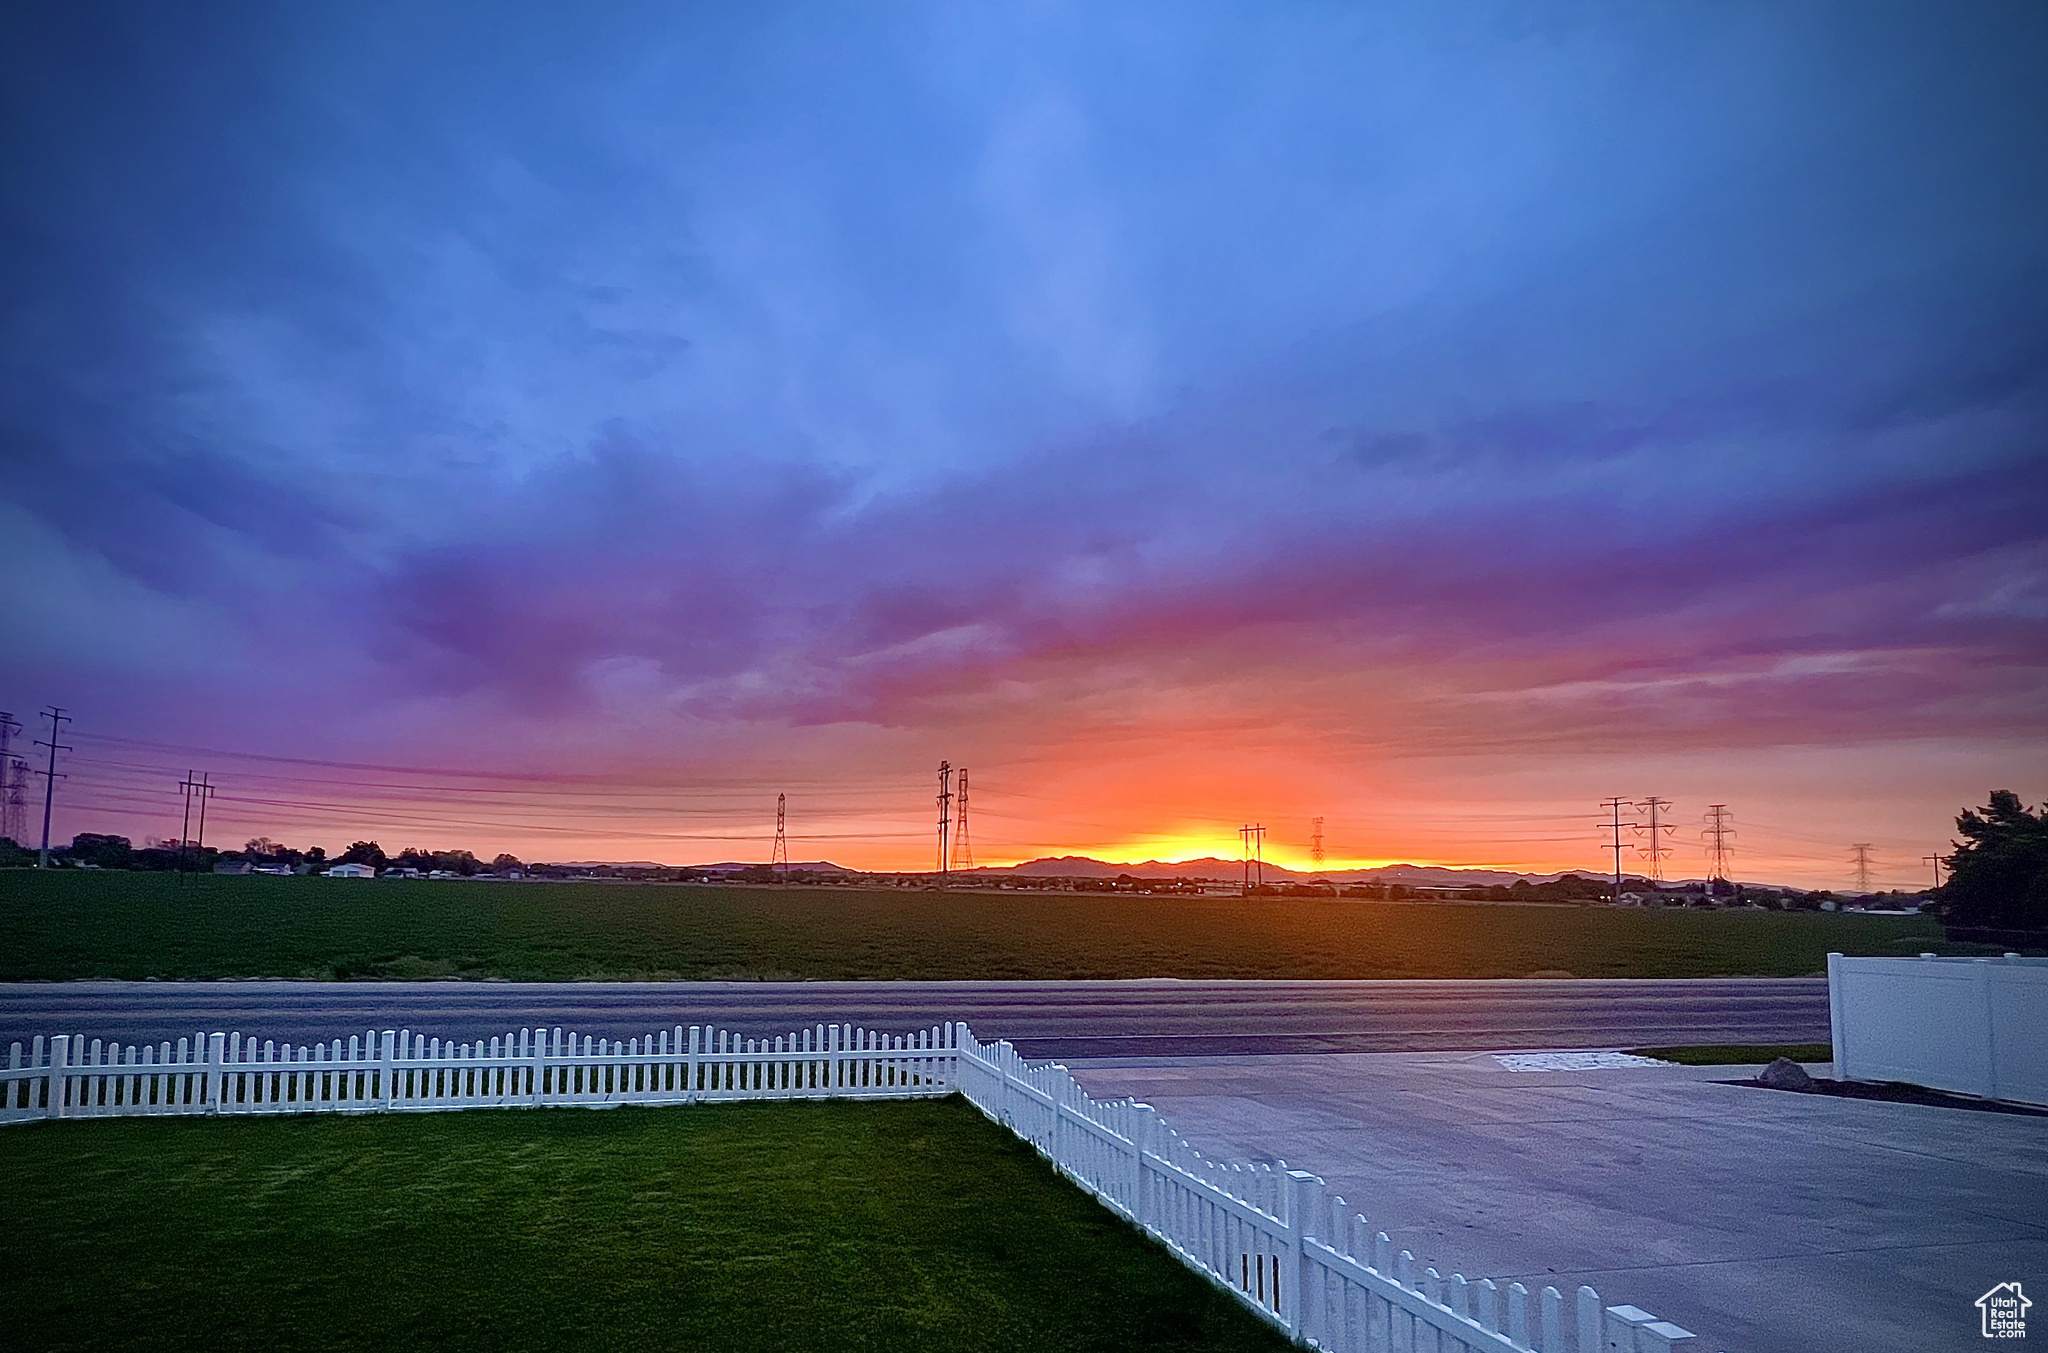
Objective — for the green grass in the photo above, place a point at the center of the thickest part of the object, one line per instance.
(1740, 1054)
(65, 924)
(787, 1227)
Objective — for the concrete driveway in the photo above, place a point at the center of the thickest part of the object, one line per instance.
(1765, 1222)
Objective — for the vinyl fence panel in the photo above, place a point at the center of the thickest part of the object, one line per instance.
(1975, 1026)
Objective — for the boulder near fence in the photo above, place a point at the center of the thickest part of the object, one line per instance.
(1276, 1239)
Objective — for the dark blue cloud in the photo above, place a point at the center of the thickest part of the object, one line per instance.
(822, 364)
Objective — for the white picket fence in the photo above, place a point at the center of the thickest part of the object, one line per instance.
(227, 1073)
(1276, 1239)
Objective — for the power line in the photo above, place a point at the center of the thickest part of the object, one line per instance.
(1617, 826)
(58, 718)
(1860, 862)
(778, 854)
(1315, 845)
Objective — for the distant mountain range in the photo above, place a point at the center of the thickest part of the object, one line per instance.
(1081, 866)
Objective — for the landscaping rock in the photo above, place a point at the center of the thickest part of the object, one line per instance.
(1786, 1074)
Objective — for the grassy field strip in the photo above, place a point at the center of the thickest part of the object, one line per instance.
(898, 1227)
(61, 925)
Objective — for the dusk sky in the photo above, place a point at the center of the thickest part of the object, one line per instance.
(561, 428)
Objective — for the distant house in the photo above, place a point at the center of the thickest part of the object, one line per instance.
(351, 871)
(406, 873)
(232, 867)
(283, 869)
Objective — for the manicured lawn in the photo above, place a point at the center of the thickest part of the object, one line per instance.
(65, 924)
(787, 1227)
(1740, 1054)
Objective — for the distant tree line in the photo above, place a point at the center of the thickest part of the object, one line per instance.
(94, 850)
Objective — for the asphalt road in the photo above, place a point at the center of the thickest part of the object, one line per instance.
(1147, 1018)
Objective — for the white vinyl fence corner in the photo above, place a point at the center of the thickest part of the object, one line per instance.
(1276, 1239)
(1975, 1026)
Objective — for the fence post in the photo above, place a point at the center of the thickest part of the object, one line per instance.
(60, 1057)
(1837, 1032)
(696, 1056)
(385, 1078)
(216, 1078)
(1621, 1325)
(1304, 1192)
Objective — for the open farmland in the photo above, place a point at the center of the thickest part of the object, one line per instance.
(63, 925)
(899, 1226)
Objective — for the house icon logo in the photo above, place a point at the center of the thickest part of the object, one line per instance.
(2004, 1309)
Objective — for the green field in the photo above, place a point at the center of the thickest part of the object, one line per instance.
(60, 925)
(795, 1226)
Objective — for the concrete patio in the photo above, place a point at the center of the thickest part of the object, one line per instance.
(1764, 1221)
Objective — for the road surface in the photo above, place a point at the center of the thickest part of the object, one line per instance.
(1148, 1018)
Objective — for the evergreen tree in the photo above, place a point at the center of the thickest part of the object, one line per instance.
(1999, 876)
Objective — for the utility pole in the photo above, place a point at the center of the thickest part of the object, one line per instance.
(195, 791)
(1254, 838)
(1315, 846)
(1617, 826)
(58, 718)
(945, 816)
(185, 787)
(1934, 860)
(1656, 850)
(963, 845)
(778, 854)
(1859, 860)
(1716, 835)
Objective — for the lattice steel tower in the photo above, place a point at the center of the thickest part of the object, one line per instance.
(1716, 836)
(1656, 850)
(13, 798)
(945, 815)
(963, 845)
(1315, 845)
(778, 854)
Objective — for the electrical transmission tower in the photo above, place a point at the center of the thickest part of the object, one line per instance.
(1254, 838)
(13, 825)
(963, 846)
(14, 799)
(1656, 850)
(1315, 846)
(945, 815)
(1859, 861)
(1718, 850)
(778, 854)
(1617, 826)
(58, 718)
